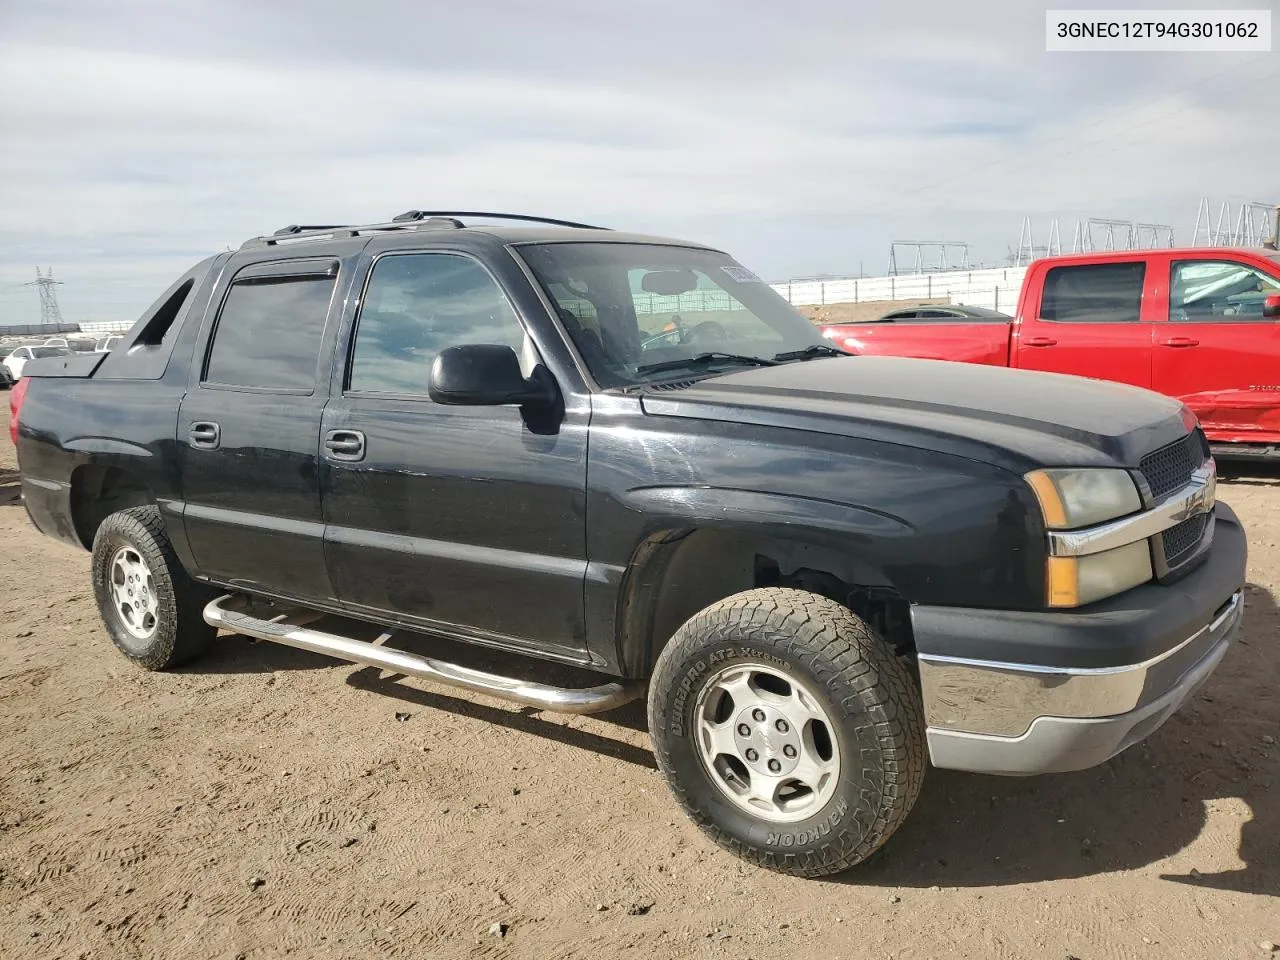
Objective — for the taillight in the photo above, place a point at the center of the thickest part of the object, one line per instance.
(16, 395)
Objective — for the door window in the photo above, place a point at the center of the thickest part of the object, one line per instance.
(1209, 291)
(1093, 293)
(268, 332)
(417, 305)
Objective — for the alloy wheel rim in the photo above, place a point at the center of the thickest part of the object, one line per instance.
(766, 742)
(133, 593)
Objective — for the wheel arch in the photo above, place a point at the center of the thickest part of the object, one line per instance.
(676, 573)
(99, 490)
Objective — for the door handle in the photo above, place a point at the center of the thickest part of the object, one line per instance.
(1180, 342)
(345, 444)
(205, 434)
(1040, 341)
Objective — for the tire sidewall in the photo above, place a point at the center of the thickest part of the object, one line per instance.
(856, 802)
(116, 532)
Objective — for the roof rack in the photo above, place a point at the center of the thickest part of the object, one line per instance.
(409, 220)
(413, 215)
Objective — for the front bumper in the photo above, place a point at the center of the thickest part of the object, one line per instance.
(1067, 691)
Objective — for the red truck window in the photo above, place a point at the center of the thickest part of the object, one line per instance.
(1223, 291)
(1093, 293)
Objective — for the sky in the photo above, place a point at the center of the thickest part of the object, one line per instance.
(137, 137)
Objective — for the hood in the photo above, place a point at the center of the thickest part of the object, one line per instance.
(1020, 419)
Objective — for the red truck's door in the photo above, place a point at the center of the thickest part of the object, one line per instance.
(1088, 319)
(1217, 352)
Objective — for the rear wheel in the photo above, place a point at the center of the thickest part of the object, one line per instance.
(788, 730)
(150, 607)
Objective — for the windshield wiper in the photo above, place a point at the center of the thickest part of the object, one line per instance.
(810, 353)
(702, 359)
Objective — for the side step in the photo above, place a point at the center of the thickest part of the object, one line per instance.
(227, 613)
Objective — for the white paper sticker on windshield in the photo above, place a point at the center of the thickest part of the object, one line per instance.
(741, 274)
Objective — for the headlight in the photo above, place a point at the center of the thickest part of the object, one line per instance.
(1075, 581)
(1080, 498)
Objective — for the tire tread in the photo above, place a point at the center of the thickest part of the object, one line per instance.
(850, 661)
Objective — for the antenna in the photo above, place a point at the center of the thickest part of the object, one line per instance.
(50, 313)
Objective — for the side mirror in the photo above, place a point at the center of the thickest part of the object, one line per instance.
(1271, 306)
(483, 374)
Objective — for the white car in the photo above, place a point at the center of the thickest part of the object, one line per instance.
(18, 359)
(106, 344)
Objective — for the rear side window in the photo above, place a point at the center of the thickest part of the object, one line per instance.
(1094, 293)
(269, 330)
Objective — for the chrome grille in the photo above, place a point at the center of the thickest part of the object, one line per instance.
(1170, 467)
(1182, 539)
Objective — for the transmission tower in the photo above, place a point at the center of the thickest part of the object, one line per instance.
(922, 249)
(1120, 235)
(50, 314)
(1028, 249)
(1250, 226)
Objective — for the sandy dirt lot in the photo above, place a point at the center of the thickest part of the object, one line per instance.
(269, 803)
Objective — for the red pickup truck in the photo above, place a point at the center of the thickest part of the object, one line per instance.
(1202, 325)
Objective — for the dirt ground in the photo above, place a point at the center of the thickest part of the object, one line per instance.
(269, 803)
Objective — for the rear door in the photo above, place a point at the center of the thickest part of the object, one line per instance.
(248, 432)
(1218, 353)
(1091, 320)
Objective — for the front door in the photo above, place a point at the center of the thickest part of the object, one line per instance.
(1218, 353)
(468, 519)
(248, 429)
(1090, 321)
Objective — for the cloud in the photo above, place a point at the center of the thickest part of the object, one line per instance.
(134, 141)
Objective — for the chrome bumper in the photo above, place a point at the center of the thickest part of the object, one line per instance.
(1021, 719)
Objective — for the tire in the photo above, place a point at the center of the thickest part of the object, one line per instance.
(165, 626)
(863, 775)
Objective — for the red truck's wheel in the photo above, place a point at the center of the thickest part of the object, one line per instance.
(788, 730)
(148, 604)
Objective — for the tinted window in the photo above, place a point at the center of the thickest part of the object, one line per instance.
(268, 333)
(414, 307)
(1218, 290)
(1097, 293)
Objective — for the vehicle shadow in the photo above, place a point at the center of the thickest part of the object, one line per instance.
(1146, 805)
(1149, 804)
(235, 654)
(1249, 473)
(524, 719)
(10, 487)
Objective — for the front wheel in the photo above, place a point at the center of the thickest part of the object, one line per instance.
(789, 731)
(151, 608)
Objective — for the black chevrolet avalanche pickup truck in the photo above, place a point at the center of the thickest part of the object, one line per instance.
(631, 457)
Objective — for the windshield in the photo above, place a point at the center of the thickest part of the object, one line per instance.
(42, 353)
(641, 312)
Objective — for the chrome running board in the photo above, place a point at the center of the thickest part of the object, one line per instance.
(227, 613)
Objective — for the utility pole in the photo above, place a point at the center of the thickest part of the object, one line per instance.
(50, 313)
